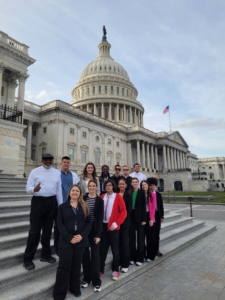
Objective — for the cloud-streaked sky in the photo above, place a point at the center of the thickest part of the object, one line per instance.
(173, 51)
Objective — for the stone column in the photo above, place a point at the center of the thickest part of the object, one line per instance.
(168, 158)
(90, 148)
(172, 159)
(152, 157)
(164, 158)
(139, 118)
(223, 167)
(124, 113)
(175, 159)
(103, 111)
(138, 152)
(142, 123)
(130, 111)
(117, 112)
(156, 158)
(181, 160)
(21, 91)
(2, 68)
(129, 151)
(95, 110)
(29, 139)
(178, 159)
(110, 112)
(148, 156)
(87, 107)
(78, 153)
(186, 160)
(143, 155)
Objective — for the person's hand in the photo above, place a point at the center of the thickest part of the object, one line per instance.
(143, 223)
(37, 187)
(78, 238)
(162, 220)
(97, 240)
(73, 241)
(151, 223)
(111, 228)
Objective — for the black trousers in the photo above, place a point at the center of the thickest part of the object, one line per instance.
(136, 240)
(68, 272)
(109, 238)
(42, 214)
(157, 229)
(124, 248)
(91, 263)
(150, 237)
(56, 235)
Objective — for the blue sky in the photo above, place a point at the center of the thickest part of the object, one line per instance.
(173, 51)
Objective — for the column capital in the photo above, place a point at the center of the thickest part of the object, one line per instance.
(22, 77)
(2, 67)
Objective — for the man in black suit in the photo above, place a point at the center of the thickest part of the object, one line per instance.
(159, 212)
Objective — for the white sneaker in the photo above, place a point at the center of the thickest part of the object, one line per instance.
(84, 284)
(148, 260)
(124, 270)
(138, 263)
(97, 288)
(131, 262)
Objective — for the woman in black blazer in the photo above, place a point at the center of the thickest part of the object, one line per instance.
(91, 266)
(138, 220)
(74, 223)
(124, 228)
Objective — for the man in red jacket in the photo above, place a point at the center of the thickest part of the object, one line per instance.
(114, 215)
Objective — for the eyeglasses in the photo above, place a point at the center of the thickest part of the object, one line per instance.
(109, 184)
(117, 169)
(125, 169)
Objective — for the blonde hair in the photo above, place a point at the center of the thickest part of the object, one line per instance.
(126, 166)
(83, 203)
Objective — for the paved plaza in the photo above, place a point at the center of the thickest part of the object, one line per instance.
(196, 273)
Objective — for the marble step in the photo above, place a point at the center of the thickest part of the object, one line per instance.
(13, 228)
(12, 197)
(40, 287)
(16, 191)
(15, 206)
(13, 217)
(166, 226)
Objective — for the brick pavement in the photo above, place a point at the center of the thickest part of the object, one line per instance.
(196, 273)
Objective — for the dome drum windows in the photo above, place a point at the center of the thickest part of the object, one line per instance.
(106, 89)
(99, 89)
(93, 90)
(122, 91)
(118, 90)
(111, 89)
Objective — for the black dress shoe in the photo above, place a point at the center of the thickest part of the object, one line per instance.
(49, 259)
(76, 294)
(159, 254)
(29, 265)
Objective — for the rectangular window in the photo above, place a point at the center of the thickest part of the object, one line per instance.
(34, 132)
(109, 159)
(118, 90)
(43, 151)
(2, 91)
(44, 129)
(118, 160)
(99, 89)
(113, 113)
(93, 90)
(109, 142)
(106, 113)
(117, 144)
(122, 91)
(111, 89)
(99, 111)
(84, 134)
(71, 154)
(106, 89)
(72, 131)
(88, 91)
(33, 152)
(83, 156)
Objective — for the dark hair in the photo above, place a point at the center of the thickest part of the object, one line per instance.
(94, 175)
(101, 176)
(131, 189)
(83, 204)
(65, 157)
(152, 180)
(113, 184)
(92, 181)
(136, 164)
(149, 194)
(122, 179)
(117, 166)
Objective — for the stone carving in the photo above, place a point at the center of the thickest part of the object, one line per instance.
(11, 133)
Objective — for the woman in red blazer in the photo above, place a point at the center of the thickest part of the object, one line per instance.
(114, 215)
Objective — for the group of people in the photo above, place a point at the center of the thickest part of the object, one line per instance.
(91, 214)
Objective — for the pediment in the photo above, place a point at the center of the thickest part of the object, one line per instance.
(177, 137)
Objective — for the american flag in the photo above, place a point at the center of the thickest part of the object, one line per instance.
(166, 110)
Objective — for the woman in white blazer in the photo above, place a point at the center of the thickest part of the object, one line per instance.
(89, 173)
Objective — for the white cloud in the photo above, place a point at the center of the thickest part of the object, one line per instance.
(50, 83)
(42, 95)
(210, 123)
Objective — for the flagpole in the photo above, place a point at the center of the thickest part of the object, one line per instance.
(169, 119)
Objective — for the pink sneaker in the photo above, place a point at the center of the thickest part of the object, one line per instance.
(115, 275)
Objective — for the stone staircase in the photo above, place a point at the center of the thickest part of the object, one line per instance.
(16, 283)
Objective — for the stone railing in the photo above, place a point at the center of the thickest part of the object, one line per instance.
(4, 38)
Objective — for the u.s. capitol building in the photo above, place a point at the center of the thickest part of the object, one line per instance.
(103, 123)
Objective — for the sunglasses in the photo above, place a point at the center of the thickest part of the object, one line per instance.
(125, 169)
(117, 169)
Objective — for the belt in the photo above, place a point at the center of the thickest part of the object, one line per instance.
(45, 197)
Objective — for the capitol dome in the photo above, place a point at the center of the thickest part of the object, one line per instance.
(105, 90)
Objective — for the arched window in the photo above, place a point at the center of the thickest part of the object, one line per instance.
(97, 156)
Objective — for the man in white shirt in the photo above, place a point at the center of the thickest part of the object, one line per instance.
(137, 174)
(45, 185)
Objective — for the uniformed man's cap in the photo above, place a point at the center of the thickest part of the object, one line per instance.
(47, 155)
